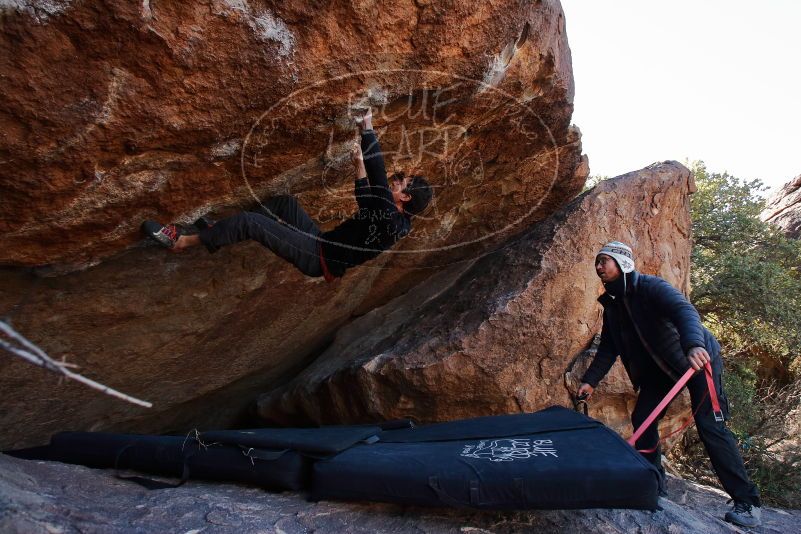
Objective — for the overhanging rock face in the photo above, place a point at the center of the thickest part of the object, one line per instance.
(126, 111)
(496, 334)
(121, 112)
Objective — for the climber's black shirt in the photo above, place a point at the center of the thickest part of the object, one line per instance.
(376, 226)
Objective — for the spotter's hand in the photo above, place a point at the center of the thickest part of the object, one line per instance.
(698, 357)
(585, 389)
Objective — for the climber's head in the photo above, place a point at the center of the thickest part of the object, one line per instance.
(412, 192)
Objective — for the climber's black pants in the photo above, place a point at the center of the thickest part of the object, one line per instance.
(718, 440)
(280, 224)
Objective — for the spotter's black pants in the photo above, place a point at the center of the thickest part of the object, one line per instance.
(720, 444)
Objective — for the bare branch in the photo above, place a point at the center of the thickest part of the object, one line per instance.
(33, 354)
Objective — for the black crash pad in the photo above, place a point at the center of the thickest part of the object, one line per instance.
(325, 440)
(555, 458)
(177, 456)
(552, 459)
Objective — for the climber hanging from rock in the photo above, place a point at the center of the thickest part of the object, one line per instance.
(384, 217)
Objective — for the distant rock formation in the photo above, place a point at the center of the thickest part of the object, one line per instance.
(783, 208)
(498, 334)
(116, 113)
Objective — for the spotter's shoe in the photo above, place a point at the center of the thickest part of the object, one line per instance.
(164, 235)
(744, 515)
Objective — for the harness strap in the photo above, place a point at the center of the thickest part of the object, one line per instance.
(684, 426)
(474, 492)
(433, 483)
(713, 394)
(672, 394)
(581, 406)
(326, 273)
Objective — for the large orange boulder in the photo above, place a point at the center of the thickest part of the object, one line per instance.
(117, 112)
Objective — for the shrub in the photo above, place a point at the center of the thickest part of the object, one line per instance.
(747, 287)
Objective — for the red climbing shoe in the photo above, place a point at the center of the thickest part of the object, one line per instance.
(164, 235)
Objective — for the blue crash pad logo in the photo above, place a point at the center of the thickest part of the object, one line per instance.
(507, 450)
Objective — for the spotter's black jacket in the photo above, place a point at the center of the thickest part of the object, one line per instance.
(664, 322)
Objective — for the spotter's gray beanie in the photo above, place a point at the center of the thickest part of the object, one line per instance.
(621, 253)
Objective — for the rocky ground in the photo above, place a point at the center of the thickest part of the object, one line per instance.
(58, 498)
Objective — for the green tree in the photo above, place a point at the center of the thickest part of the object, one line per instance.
(745, 276)
(747, 287)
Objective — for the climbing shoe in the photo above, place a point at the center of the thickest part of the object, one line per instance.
(744, 515)
(165, 235)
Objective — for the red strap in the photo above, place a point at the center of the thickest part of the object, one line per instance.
(670, 396)
(684, 425)
(326, 273)
(713, 395)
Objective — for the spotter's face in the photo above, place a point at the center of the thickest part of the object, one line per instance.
(606, 268)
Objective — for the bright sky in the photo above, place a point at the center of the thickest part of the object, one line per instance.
(716, 80)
